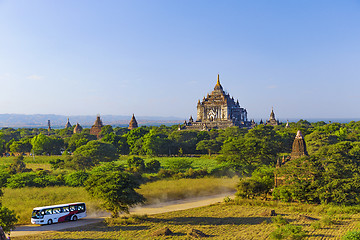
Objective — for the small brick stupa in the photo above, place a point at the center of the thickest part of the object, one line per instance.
(299, 146)
(96, 128)
(77, 128)
(133, 123)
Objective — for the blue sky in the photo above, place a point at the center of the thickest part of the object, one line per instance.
(157, 58)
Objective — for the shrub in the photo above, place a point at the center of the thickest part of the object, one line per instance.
(288, 231)
(180, 165)
(76, 179)
(222, 170)
(250, 188)
(21, 180)
(125, 220)
(57, 163)
(351, 235)
(136, 162)
(18, 166)
(165, 173)
(153, 166)
(279, 220)
(190, 173)
(33, 179)
(282, 194)
(7, 219)
(4, 175)
(327, 221)
(316, 225)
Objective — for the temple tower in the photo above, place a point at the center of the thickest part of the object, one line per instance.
(68, 124)
(133, 123)
(77, 128)
(272, 120)
(287, 124)
(49, 127)
(218, 110)
(96, 128)
(299, 146)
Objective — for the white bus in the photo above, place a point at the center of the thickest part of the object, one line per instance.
(58, 213)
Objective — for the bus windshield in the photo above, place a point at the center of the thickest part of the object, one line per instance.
(36, 214)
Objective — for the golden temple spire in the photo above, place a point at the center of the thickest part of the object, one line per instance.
(218, 85)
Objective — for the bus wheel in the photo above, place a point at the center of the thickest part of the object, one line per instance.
(75, 218)
(50, 222)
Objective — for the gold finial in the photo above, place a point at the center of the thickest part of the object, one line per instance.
(218, 80)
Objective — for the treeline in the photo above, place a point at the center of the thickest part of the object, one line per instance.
(163, 140)
(154, 141)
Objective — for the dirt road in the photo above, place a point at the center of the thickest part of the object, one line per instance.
(148, 209)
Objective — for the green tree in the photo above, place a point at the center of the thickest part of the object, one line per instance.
(21, 146)
(115, 187)
(90, 155)
(117, 141)
(179, 164)
(153, 165)
(76, 179)
(259, 146)
(43, 144)
(8, 219)
(78, 140)
(260, 183)
(18, 166)
(136, 163)
(156, 142)
(318, 139)
(246, 154)
(186, 140)
(97, 151)
(211, 146)
(107, 129)
(134, 135)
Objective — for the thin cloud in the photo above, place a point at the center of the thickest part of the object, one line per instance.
(35, 77)
(272, 86)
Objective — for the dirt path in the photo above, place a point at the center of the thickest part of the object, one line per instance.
(148, 209)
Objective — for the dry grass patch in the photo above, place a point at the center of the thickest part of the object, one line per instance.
(165, 190)
(219, 221)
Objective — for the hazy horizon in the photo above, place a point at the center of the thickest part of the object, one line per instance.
(157, 58)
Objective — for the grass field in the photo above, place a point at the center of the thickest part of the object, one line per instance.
(221, 221)
(25, 199)
(197, 162)
(32, 162)
(43, 161)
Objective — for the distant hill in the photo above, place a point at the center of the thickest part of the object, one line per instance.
(59, 121)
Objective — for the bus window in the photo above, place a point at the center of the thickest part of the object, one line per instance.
(66, 209)
(73, 208)
(36, 214)
(81, 208)
(48, 211)
(56, 210)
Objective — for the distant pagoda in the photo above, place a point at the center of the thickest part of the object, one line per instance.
(96, 128)
(77, 128)
(68, 124)
(133, 123)
(49, 127)
(272, 121)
